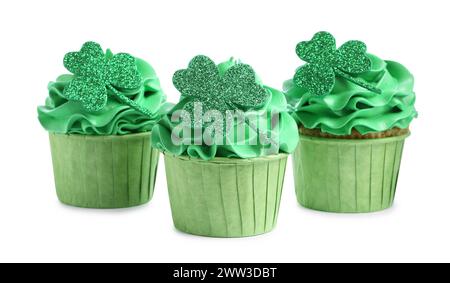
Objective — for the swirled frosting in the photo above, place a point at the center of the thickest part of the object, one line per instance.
(285, 133)
(350, 107)
(59, 115)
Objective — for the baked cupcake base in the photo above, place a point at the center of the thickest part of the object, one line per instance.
(225, 197)
(104, 171)
(347, 175)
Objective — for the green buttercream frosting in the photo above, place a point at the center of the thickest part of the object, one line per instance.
(60, 115)
(350, 106)
(285, 132)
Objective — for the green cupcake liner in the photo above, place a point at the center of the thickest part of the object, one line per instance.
(347, 176)
(104, 171)
(225, 197)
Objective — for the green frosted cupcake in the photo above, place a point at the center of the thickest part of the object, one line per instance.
(226, 145)
(99, 120)
(353, 110)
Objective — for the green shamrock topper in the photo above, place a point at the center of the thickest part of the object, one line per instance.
(236, 89)
(325, 62)
(96, 73)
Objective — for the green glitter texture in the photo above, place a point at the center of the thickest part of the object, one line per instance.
(325, 62)
(236, 89)
(96, 73)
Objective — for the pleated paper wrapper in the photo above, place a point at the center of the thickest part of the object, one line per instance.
(104, 171)
(225, 197)
(347, 176)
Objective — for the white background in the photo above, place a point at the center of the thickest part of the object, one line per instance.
(35, 35)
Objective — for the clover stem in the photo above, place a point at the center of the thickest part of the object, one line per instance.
(359, 82)
(264, 135)
(124, 99)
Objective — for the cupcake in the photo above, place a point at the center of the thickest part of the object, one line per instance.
(99, 120)
(353, 111)
(225, 145)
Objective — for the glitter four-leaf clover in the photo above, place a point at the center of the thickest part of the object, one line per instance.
(97, 74)
(325, 62)
(237, 89)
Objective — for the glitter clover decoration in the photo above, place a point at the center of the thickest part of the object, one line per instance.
(96, 72)
(325, 62)
(236, 89)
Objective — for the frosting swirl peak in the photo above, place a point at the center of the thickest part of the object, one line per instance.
(350, 106)
(60, 115)
(234, 146)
